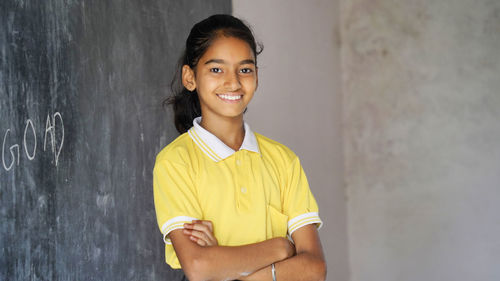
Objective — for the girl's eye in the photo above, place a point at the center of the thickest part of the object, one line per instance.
(215, 70)
(246, 70)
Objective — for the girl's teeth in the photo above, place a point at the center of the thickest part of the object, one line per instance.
(227, 97)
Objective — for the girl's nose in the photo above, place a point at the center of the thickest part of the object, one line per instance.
(232, 82)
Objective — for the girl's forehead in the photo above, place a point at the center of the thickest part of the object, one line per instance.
(224, 47)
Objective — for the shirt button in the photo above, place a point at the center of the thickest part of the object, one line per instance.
(243, 190)
(238, 162)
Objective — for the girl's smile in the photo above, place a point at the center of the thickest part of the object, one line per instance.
(230, 98)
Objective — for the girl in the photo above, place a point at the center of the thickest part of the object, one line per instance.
(226, 198)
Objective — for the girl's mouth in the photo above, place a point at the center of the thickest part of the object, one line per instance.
(229, 97)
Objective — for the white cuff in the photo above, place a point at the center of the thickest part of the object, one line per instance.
(173, 224)
(302, 220)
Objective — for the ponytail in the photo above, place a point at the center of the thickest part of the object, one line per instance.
(185, 103)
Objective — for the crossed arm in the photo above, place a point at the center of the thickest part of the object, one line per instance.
(203, 259)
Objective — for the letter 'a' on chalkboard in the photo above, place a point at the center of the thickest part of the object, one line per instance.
(81, 122)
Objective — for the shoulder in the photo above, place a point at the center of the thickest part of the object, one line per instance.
(177, 151)
(274, 149)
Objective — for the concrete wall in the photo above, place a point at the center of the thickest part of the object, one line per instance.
(298, 102)
(420, 133)
(421, 111)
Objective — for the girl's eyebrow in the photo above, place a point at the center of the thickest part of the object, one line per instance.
(221, 61)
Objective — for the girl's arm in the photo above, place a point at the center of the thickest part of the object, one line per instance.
(224, 262)
(309, 263)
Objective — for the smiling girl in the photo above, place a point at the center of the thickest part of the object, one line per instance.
(230, 203)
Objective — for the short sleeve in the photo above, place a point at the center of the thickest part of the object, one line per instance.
(298, 201)
(175, 197)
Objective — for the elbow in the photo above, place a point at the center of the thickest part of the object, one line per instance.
(320, 270)
(197, 269)
(316, 266)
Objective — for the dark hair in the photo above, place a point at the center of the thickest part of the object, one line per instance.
(186, 104)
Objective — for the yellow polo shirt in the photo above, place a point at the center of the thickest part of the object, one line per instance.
(250, 195)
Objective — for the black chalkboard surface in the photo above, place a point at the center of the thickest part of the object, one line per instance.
(81, 121)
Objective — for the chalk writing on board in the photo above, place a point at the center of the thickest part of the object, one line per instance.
(50, 128)
(29, 123)
(11, 151)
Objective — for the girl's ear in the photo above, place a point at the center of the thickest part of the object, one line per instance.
(188, 78)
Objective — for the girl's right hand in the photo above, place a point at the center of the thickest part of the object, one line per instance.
(201, 232)
(289, 248)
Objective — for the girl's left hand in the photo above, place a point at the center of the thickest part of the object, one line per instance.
(201, 232)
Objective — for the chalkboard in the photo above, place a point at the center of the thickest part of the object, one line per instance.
(81, 121)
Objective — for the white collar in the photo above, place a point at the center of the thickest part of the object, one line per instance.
(213, 147)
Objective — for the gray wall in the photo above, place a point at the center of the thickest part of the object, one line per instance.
(416, 87)
(421, 135)
(298, 102)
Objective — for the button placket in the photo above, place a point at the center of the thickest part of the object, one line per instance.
(242, 187)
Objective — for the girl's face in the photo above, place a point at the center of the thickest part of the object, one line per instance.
(225, 78)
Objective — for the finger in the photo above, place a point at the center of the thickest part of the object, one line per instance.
(204, 222)
(208, 239)
(200, 235)
(192, 225)
(203, 233)
(201, 242)
(188, 225)
(198, 226)
(209, 225)
(204, 227)
(197, 241)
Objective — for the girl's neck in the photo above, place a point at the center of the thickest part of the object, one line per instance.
(229, 130)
